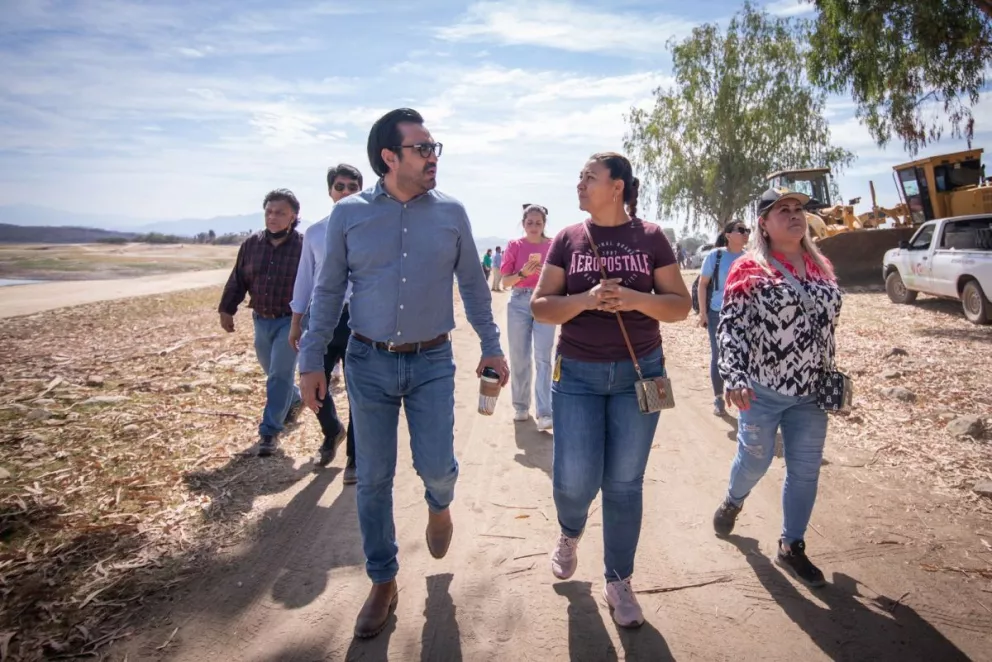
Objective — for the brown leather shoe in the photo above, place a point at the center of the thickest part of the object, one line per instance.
(439, 530)
(378, 607)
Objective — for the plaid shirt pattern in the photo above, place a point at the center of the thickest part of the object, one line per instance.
(266, 272)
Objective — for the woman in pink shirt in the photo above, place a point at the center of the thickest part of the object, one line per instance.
(521, 268)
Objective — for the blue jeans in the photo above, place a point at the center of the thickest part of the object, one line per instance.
(525, 333)
(804, 430)
(602, 441)
(712, 320)
(378, 383)
(278, 361)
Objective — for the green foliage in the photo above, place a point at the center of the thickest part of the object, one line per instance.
(914, 69)
(740, 108)
(159, 238)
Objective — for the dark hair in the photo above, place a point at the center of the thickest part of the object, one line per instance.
(344, 170)
(620, 168)
(282, 195)
(540, 209)
(721, 239)
(385, 134)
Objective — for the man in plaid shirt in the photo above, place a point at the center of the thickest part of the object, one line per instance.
(266, 269)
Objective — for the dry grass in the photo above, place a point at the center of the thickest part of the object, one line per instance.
(95, 261)
(106, 503)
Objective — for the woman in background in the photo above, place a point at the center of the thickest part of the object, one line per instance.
(730, 246)
(528, 338)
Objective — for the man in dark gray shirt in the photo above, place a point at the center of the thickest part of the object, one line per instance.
(400, 244)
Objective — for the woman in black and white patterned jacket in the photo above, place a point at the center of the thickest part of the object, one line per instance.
(772, 357)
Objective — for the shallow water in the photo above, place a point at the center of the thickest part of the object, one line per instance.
(4, 282)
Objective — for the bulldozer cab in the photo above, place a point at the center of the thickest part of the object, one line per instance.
(944, 185)
(814, 182)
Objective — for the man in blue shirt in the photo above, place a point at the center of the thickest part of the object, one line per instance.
(497, 263)
(400, 245)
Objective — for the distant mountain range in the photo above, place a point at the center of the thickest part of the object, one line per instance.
(73, 227)
(17, 234)
(37, 216)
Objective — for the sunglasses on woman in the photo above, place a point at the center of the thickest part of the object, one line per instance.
(743, 231)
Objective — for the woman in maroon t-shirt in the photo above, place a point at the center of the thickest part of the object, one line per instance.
(601, 439)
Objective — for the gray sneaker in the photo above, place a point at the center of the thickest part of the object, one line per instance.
(623, 604)
(565, 557)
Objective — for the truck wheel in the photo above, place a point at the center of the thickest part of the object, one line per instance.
(977, 308)
(896, 289)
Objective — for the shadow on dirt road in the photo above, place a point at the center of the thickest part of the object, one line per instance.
(852, 626)
(588, 638)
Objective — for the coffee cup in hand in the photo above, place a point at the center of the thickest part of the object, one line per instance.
(489, 388)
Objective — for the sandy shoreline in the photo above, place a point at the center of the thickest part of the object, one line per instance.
(20, 300)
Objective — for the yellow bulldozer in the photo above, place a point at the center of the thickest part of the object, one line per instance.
(934, 187)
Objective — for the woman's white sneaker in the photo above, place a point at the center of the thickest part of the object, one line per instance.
(565, 557)
(545, 423)
(520, 416)
(623, 603)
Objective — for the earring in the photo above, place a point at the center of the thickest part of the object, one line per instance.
(614, 197)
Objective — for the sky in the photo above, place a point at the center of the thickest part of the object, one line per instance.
(182, 109)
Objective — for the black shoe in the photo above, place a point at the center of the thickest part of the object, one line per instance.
(725, 518)
(798, 564)
(294, 413)
(266, 445)
(329, 448)
(350, 475)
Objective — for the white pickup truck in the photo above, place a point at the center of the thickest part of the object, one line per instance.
(949, 257)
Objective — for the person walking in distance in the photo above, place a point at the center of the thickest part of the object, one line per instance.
(342, 180)
(497, 266)
(266, 269)
(716, 266)
(487, 263)
(602, 439)
(780, 308)
(395, 243)
(528, 338)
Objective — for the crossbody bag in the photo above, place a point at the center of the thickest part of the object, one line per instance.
(834, 390)
(653, 393)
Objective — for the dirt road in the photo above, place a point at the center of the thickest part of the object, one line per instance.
(293, 593)
(29, 299)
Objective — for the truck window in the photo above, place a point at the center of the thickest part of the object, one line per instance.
(922, 239)
(974, 234)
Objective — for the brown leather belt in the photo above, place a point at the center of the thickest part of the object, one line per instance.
(405, 348)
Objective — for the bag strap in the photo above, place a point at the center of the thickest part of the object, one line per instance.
(716, 270)
(623, 329)
(806, 303)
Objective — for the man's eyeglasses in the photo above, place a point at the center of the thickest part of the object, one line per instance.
(743, 231)
(541, 207)
(352, 186)
(424, 149)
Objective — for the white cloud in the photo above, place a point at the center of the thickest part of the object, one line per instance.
(566, 26)
(787, 8)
